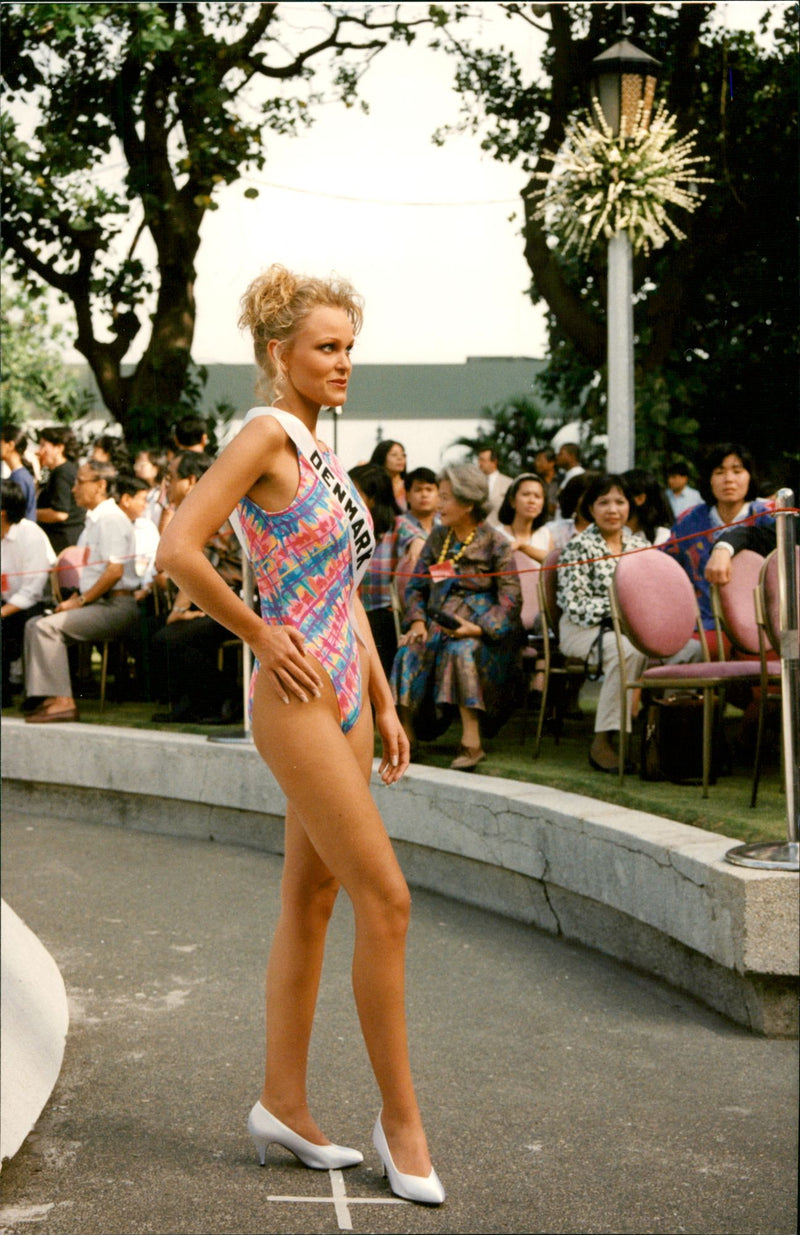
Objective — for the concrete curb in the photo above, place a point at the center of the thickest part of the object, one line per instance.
(35, 1020)
(655, 894)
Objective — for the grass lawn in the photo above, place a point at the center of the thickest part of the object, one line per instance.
(565, 766)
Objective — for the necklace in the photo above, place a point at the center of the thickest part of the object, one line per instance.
(449, 541)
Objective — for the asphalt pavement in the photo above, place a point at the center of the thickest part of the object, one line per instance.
(561, 1092)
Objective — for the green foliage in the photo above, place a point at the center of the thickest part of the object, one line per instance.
(34, 382)
(123, 121)
(515, 429)
(715, 317)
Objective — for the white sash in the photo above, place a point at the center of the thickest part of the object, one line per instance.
(353, 513)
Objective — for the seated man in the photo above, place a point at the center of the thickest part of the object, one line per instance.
(27, 557)
(103, 608)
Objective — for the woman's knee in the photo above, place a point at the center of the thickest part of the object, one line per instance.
(311, 902)
(386, 909)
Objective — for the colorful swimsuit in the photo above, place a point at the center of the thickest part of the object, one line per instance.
(303, 567)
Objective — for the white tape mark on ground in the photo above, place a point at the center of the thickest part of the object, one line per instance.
(340, 1200)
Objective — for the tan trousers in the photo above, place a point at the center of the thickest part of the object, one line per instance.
(47, 638)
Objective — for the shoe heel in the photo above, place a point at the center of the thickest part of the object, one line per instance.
(261, 1149)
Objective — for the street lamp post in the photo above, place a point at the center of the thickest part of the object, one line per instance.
(623, 85)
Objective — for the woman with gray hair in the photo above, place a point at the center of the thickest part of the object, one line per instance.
(462, 618)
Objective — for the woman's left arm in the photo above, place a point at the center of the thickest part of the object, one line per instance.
(396, 749)
(503, 617)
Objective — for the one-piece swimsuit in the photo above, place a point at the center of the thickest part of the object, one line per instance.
(303, 569)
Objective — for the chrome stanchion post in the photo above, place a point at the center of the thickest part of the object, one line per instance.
(784, 856)
(244, 735)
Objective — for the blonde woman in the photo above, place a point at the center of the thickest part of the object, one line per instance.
(309, 540)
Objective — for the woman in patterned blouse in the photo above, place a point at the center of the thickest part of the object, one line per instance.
(586, 567)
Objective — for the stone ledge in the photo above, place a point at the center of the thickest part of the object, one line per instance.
(650, 892)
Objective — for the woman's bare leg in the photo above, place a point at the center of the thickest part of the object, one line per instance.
(324, 775)
(308, 894)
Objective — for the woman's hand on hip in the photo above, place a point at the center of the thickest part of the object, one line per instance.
(280, 651)
(396, 748)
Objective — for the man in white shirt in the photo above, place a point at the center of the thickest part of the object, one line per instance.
(680, 494)
(103, 608)
(27, 557)
(569, 460)
(498, 483)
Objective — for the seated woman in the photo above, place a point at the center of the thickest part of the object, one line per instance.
(184, 651)
(650, 513)
(462, 616)
(728, 487)
(523, 517)
(375, 487)
(586, 567)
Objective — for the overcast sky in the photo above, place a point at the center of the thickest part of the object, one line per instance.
(442, 280)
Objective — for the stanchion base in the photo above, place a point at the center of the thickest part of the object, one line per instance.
(783, 856)
(242, 737)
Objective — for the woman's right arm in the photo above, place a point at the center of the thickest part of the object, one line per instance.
(252, 455)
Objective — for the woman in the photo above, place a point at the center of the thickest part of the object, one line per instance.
(376, 591)
(186, 649)
(307, 534)
(14, 445)
(523, 515)
(56, 509)
(650, 513)
(392, 456)
(462, 615)
(586, 567)
(149, 466)
(728, 487)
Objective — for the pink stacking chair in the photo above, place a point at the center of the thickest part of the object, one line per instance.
(66, 574)
(654, 605)
(769, 632)
(736, 607)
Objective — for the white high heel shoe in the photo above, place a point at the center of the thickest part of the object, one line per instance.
(266, 1130)
(424, 1189)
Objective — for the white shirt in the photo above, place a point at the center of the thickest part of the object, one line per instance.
(577, 470)
(27, 557)
(108, 535)
(146, 536)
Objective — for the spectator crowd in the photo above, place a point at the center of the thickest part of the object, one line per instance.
(81, 527)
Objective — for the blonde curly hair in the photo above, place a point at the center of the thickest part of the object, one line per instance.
(275, 305)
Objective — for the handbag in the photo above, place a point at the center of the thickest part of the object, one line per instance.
(594, 657)
(672, 741)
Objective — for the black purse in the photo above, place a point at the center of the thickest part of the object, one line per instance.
(594, 658)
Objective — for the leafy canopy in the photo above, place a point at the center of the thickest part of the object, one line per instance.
(120, 124)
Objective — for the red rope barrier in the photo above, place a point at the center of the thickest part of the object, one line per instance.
(404, 574)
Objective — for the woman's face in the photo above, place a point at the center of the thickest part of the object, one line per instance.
(451, 510)
(7, 451)
(529, 500)
(395, 462)
(179, 486)
(730, 481)
(49, 454)
(144, 468)
(316, 361)
(99, 455)
(610, 512)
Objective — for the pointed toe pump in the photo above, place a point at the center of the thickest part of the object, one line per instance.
(266, 1130)
(424, 1189)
